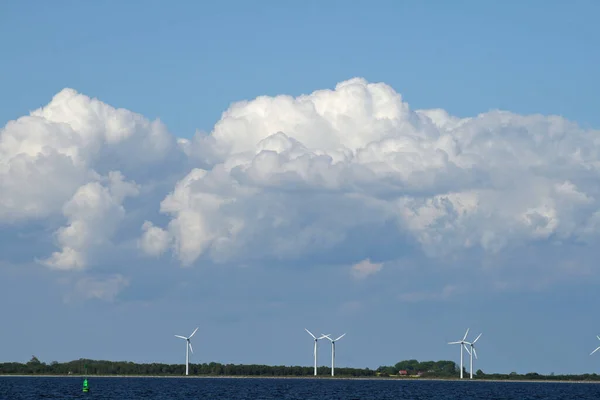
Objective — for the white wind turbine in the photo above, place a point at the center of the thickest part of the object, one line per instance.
(188, 348)
(333, 350)
(472, 352)
(597, 348)
(315, 351)
(462, 343)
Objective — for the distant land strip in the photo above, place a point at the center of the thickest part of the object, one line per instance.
(408, 370)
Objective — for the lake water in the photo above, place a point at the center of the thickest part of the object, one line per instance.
(16, 388)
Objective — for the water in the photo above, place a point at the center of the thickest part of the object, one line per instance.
(16, 388)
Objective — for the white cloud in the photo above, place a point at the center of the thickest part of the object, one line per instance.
(301, 173)
(154, 241)
(328, 175)
(98, 288)
(47, 156)
(94, 213)
(365, 268)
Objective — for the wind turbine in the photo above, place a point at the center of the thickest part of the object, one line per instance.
(472, 351)
(462, 343)
(597, 348)
(332, 350)
(315, 351)
(188, 348)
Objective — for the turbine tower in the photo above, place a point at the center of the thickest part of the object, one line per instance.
(188, 348)
(597, 348)
(462, 343)
(472, 352)
(315, 350)
(332, 350)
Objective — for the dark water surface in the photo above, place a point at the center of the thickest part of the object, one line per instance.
(16, 388)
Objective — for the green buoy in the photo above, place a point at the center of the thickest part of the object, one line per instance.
(86, 387)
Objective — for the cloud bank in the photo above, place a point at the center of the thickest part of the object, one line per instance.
(325, 177)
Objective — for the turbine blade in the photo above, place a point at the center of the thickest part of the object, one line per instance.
(454, 342)
(181, 337)
(191, 348)
(193, 333)
(467, 349)
(598, 336)
(466, 333)
(474, 352)
(340, 337)
(310, 333)
(327, 336)
(598, 348)
(477, 338)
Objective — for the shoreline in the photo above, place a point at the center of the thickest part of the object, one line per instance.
(366, 378)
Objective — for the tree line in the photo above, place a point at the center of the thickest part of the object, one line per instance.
(432, 369)
(103, 367)
(410, 368)
(450, 370)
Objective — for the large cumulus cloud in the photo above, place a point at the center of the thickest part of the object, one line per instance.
(297, 176)
(71, 163)
(330, 175)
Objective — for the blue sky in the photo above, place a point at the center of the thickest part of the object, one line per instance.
(487, 222)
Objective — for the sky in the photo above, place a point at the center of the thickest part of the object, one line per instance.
(396, 171)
